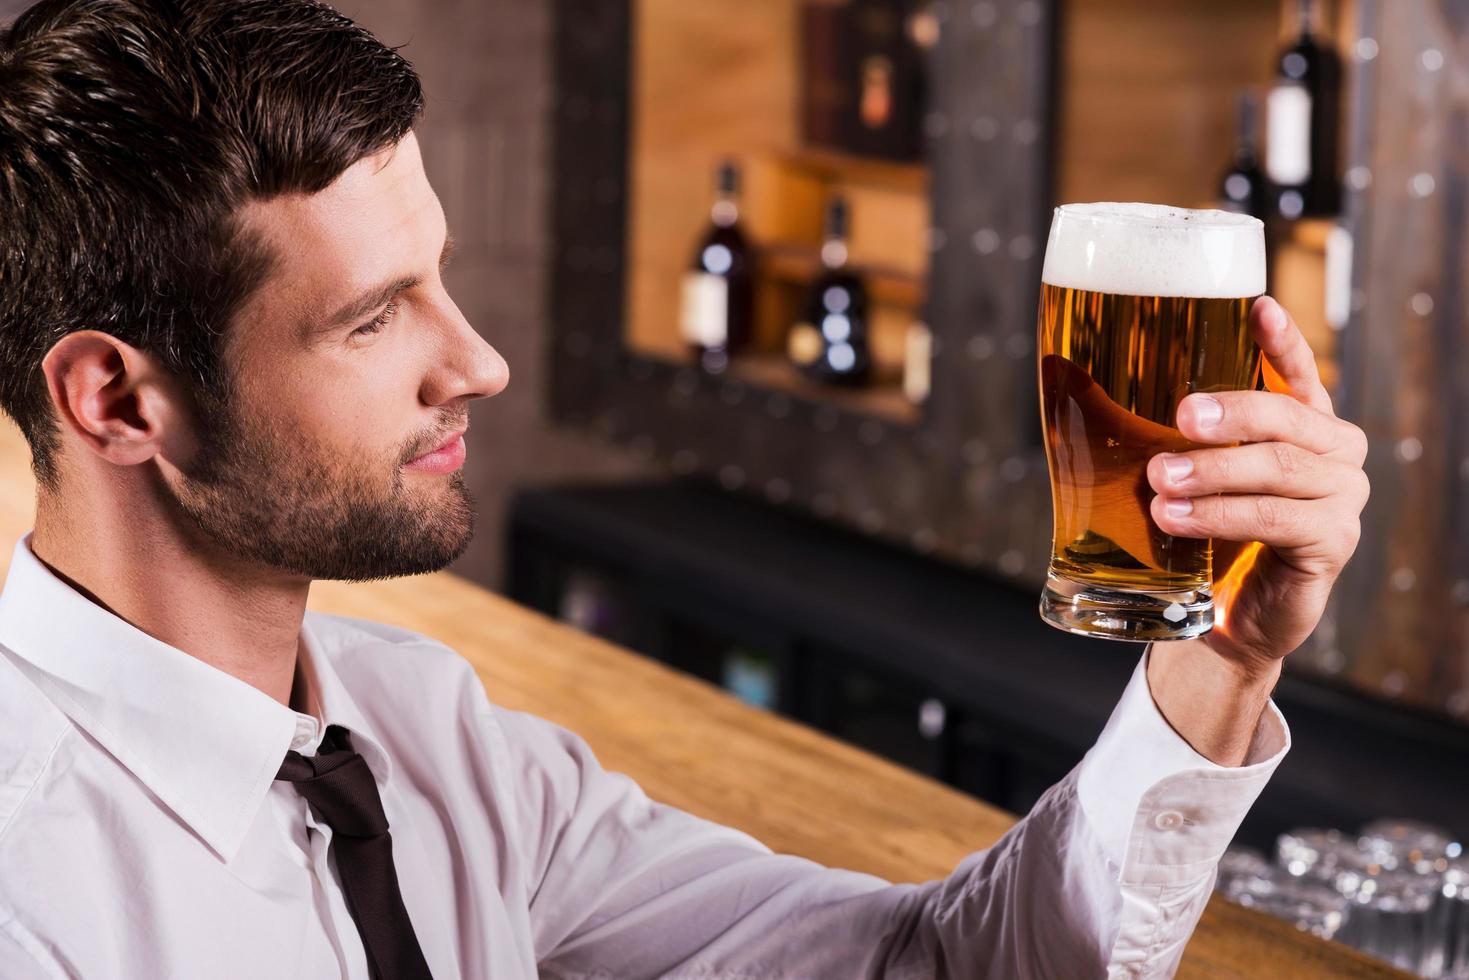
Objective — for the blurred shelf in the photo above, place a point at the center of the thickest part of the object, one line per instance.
(801, 263)
(883, 400)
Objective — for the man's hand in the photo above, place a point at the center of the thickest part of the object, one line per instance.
(1283, 506)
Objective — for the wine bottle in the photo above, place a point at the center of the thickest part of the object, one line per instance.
(717, 290)
(829, 342)
(1303, 125)
(1243, 187)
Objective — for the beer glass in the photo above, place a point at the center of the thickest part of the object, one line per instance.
(1140, 306)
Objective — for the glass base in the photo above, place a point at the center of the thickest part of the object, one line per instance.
(1088, 610)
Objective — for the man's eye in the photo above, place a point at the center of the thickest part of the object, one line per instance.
(378, 322)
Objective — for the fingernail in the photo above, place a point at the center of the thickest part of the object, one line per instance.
(1179, 507)
(1207, 411)
(1272, 315)
(1177, 467)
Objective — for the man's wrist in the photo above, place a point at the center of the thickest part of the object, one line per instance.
(1212, 704)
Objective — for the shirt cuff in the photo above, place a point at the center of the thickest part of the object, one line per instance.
(1162, 812)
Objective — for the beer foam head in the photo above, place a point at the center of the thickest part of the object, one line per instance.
(1155, 250)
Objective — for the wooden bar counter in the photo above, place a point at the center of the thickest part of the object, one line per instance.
(691, 745)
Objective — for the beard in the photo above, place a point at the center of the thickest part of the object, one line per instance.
(259, 494)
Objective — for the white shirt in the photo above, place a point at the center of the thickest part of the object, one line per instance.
(143, 833)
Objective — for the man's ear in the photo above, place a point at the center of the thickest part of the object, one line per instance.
(113, 397)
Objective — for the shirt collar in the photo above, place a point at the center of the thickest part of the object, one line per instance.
(206, 743)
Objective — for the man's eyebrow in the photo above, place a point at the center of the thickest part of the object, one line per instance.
(378, 295)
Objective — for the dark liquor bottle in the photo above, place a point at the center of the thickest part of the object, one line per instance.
(1243, 187)
(717, 290)
(829, 342)
(1303, 125)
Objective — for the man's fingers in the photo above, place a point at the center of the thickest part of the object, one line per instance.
(1263, 416)
(1277, 468)
(1285, 347)
(1317, 531)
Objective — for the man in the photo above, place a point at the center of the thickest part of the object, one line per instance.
(226, 339)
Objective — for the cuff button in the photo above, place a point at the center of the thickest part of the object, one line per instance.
(1168, 820)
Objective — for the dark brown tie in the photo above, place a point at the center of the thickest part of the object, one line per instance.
(340, 788)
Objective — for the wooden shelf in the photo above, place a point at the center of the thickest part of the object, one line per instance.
(800, 264)
(773, 372)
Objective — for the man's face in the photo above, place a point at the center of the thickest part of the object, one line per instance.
(303, 469)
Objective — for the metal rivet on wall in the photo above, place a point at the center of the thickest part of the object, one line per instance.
(924, 540)
(1394, 683)
(1021, 247)
(1332, 661)
(1028, 13)
(777, 490)
(1017, 345)
(1026, 130)
(1409, 450)
(1421, 184)
(1366, 48)
(1012, 562)
(731, 477)
(937, 238)
(1359, 178)
(935, 125)
(985, 241)
(1464, 468)
(1460, 592)
(1359, 300)
(1404, 579)
(1013, 469)
(972, 553)
(984, 128)
(1458, 703)
(976, 452)
(1431, 59)
(983, 14)
(871, 521)
(981, 347)
(1421, 304)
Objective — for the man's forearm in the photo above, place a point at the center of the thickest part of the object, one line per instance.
(1211, 704)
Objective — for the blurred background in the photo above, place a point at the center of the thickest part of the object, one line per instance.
(765, 272)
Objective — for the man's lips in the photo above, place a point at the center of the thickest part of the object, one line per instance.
(453, 437)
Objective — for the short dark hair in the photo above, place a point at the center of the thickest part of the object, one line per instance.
(131, 132)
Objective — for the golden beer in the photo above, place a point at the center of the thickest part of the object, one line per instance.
(1140, 306)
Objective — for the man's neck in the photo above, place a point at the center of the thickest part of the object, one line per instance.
(243, 621)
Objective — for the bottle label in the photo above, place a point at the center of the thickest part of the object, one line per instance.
(1288, 134)
(803, 345)
(704, 317)
(917, 356)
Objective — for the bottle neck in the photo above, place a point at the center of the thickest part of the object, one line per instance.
(726, 211)
(834, 253)
(1305, 16)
